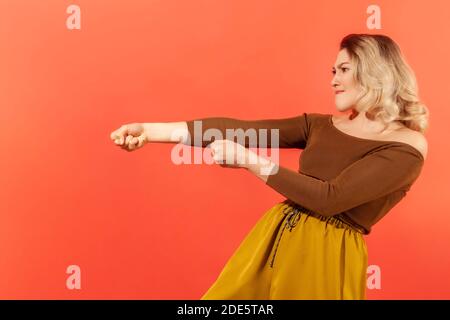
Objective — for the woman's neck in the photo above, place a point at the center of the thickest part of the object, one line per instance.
(363, 123)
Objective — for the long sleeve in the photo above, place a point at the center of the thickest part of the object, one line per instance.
(293, 132)
(374, 176)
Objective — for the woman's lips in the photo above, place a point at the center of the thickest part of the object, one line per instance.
(337, 92)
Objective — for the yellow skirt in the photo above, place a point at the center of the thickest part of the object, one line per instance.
(293, 253)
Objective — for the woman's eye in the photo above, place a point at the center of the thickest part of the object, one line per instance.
(343, 69)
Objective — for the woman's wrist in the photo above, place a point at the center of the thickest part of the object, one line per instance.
(148, 128)
(259, 166)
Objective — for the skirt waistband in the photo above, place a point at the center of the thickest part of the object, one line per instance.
(339, 219)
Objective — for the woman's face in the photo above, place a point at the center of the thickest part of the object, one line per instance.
(344, 87)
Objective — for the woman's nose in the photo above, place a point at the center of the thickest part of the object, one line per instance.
(335, 81)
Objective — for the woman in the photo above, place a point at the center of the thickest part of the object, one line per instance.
(353, 169)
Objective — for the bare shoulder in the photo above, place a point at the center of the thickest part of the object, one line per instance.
(402, 134)
(414, 138)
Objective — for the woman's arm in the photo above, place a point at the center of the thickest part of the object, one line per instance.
(289, 132)
(293, 131)
(166, 131)
(367, 179)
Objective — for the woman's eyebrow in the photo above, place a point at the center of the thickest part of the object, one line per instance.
(340, 64)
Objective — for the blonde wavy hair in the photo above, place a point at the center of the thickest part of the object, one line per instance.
(388, 85)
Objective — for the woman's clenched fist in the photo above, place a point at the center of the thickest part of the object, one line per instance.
(227, 153)
(130, 136)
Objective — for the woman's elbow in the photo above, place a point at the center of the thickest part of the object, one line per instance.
(328, 209)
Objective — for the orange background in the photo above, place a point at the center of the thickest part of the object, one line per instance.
(141, 227)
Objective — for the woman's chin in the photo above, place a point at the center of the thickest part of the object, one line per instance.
(342, 108)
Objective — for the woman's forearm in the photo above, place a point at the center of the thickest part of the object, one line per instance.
(166, 131)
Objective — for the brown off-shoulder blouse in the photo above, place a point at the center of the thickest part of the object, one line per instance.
(339, 174)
